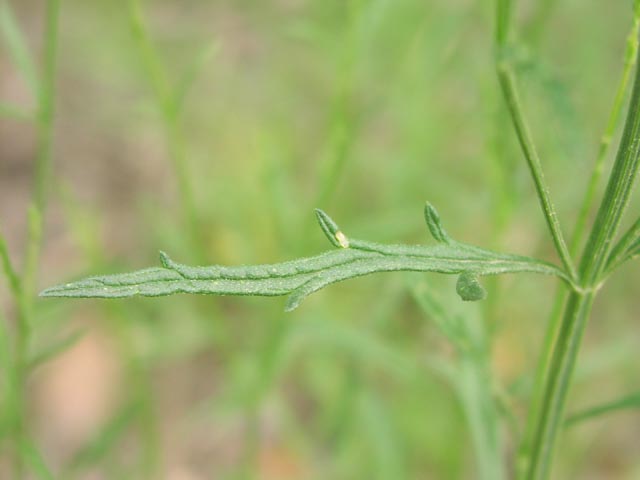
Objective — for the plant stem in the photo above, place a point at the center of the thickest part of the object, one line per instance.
(605, 141)
(24, 289)
(44, 126)
(579, 232)
(512, 98)
(616, 197)
(549, 414)
(509, 88)
(577, 310)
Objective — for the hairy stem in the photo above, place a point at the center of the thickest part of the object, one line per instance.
(580, 229)
(605, 141)
(512, 98)
(549, 416)
(577, 310)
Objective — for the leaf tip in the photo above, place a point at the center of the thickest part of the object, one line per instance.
(434, 224)
(165, 260)
(331, 230)
(293, 302)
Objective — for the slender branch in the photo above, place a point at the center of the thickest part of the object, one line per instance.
(631, 401)
(605, 141)
(512, 99)
(625, 247)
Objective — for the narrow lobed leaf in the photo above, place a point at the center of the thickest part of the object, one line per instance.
(629, 402)
(302, 277)
(331, 230)
(435, 226)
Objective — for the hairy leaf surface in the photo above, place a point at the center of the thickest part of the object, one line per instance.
(299, 278)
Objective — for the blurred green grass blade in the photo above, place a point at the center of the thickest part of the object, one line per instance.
(470, 376)
(302, 277)
(634, 250)
(629, 402)
(475, 390)
(367, 349)
(17, 46)
(7, 392)
(151, 61)
(449, 326)
(7, 267)
(387, 459)
(14, 112)
(33, 459)
(191, 74)
(106, 439)
(55, 348)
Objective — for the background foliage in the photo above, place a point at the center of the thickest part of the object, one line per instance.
(211, 130)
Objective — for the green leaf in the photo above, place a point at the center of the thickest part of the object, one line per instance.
(17, 46)
(629, 402)
(300, 278)
(435, 226)
(627, 248)
(331, 230)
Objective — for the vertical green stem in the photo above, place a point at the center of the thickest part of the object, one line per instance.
(592, 265)
(605, 142)
(549, 415)
(24, 289)
(511, 96)
(44, 126)
(580, 229)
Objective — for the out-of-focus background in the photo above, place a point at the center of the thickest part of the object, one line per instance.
(210, 130)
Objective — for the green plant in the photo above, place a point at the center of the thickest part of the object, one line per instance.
(482, 401)
(300, 278)
(18, 360)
